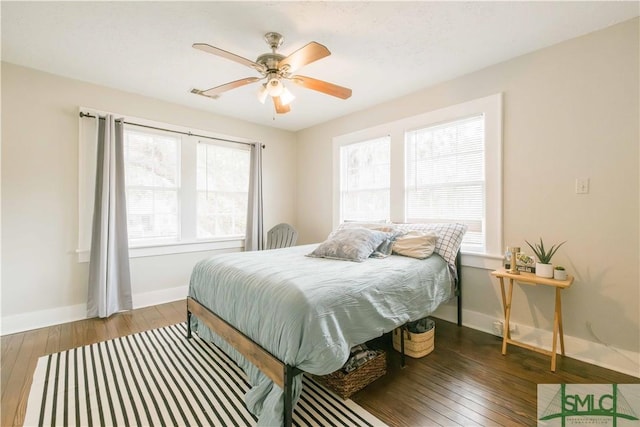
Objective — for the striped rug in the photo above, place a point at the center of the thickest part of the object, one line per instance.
(158, 378)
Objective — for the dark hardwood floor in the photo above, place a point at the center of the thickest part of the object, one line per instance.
(465, 381)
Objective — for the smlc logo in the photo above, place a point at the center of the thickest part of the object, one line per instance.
(588, 404)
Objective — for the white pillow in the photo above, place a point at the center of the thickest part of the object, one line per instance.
(416, 244)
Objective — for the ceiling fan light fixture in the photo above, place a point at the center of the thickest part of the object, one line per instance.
(287, 97)
(263, 93)
(275, 87)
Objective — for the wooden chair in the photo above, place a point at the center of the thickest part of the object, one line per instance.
(281, 236)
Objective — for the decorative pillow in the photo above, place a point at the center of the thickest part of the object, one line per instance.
(449, 237)
(350, 244)
(386, 247)
(415, 244)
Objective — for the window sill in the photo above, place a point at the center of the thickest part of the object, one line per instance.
(173, 248)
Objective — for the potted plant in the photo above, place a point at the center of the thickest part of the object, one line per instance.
(544, 268)
(559, 273)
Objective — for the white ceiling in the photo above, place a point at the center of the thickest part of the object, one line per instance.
(382, 50)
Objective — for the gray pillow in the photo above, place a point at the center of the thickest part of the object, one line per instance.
(351, 244)
(386, 247)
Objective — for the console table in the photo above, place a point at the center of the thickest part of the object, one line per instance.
(532, 279)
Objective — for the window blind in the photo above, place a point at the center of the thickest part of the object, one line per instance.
(445, 176)
(365, 180)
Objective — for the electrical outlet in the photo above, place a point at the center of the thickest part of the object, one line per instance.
(498, 328)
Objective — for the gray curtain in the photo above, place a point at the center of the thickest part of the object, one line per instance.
(109, 277)
(254, 240)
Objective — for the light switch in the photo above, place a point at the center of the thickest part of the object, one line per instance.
(582, 185)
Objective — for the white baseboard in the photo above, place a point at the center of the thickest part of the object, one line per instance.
(625, 361)
(42, 318)
(55, 316)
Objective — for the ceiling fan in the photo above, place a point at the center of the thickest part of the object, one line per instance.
(275, 68)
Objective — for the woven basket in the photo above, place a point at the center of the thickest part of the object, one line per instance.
(415, 345)
(345, 384)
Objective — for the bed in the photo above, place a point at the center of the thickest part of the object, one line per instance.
(281, 312)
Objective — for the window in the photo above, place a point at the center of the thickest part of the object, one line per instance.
(364, 189)
(445, 177)
(152, 182)
(441, 166)
(223, 190)
(184, 192)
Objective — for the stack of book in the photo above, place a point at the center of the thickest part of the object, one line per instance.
(525, 268)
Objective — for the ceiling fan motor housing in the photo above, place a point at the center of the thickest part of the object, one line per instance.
(270, 61)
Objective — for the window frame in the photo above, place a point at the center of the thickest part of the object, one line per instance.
(87, 149)
(491, 107)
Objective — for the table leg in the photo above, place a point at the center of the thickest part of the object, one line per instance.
(559, 303)
(507, 315)
(504, 303)
(504, 299)
(557, 328)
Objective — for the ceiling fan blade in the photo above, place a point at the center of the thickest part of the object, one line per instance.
(305, 55)
(280, 108)
(214, 92)
(322, 86)
(228, 55)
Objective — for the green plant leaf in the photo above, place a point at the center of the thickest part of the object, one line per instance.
(542, 254)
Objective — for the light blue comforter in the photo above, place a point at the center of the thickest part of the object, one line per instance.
(309, 312)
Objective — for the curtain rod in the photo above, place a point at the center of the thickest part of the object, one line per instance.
(83, 114)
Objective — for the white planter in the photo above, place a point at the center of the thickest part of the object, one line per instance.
(560, 274)
(544, 270)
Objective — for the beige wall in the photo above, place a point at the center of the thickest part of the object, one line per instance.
(40, 272)
(570, 111)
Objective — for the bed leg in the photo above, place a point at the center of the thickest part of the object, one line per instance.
(459, 287)
(188, 324)
(460, 310)
(402, 357)
(288, 395)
